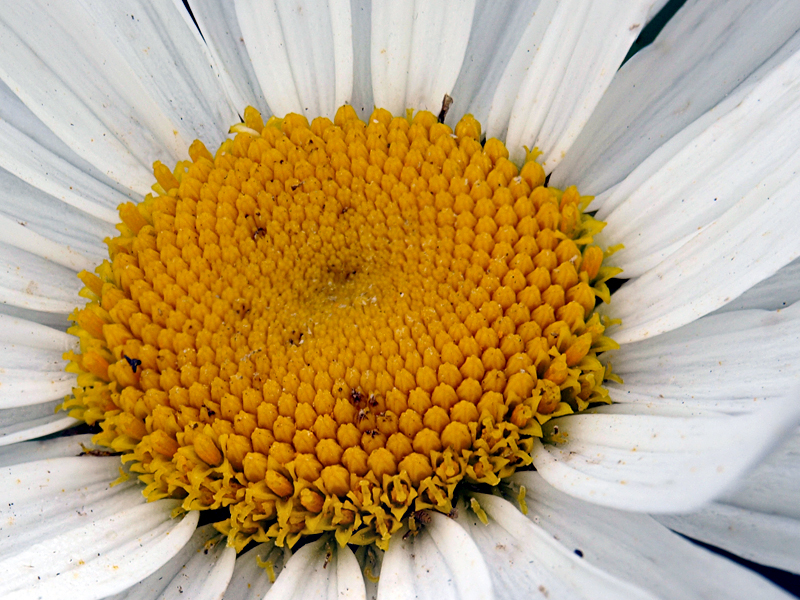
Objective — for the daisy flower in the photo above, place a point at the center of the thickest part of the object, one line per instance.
(330, 350)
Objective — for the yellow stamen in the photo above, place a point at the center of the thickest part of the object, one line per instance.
(334, 326)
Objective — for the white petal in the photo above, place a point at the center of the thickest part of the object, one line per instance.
(656, 94)
(750, 242)
(390, 39)
(16, 234)
(23, 387)
(636, 549)
(261, 31)
(18, 116)
(206, 576)
(200, 571)
(28, 333)
(30, 282)
(361, 13)
(760, 519)
(57, 321)
(220, 30)
(767, 539)
(774, 486)
(21, 357)
(776, 292)
(709, 365)
(251, 580)
(405, 38)
(31, 363)
(441, 561)
(53, 219)
(57, 447)
(441, 30)
(319, 41)
(743, 146)
(654, 462)
(66, 532)
(503, 94)
(302, 54)
(524, 559)
(40, 158)
(30, 422)
(496, 37)
(343, 51)
(90, 96)
(655, 8)
(32, 163)
(584, 45)
(164, 49)
(320, 570)
(58, 489)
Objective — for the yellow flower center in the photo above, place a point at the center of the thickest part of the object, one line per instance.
(331, 327)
